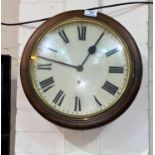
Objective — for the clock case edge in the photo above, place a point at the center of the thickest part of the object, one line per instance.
(109, 115)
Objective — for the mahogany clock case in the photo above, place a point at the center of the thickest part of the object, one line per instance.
(90, 122)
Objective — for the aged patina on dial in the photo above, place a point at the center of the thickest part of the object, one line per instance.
(79, 71)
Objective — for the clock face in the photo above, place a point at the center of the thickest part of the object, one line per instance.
(103, 76)
(81, 72)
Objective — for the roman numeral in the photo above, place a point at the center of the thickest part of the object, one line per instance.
(59, 98)
(77, 104)
(44, 66)
(111, 52)
(116, 69)
(47, 84)
(109, 87)
(63, 36)
(82, 32)
(97, 101)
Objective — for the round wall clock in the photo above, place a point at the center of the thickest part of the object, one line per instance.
(81, 72)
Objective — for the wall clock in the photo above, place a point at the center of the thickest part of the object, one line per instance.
(81, 72)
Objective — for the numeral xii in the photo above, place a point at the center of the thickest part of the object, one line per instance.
(81, 32)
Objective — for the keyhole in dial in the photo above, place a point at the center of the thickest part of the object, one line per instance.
(78, 82)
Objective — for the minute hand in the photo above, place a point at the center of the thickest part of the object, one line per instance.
(59, 62)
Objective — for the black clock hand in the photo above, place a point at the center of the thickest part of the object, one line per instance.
(59, 62)
(85, 60)
(92, 49)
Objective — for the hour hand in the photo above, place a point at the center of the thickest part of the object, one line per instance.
(92, 49)
(58, 62)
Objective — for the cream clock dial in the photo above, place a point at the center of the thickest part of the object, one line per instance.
(69, 89)
(81, 70)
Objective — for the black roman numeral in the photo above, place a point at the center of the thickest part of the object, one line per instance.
(111, 52)
(59, 98)
(109, 87)
(116, 69)
(44, 66)
(47, 84)
(63, 36)
(97, 101)
(77, 104)
(82, 32)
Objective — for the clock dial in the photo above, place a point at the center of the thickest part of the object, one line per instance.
(81, 72)
(103, 77)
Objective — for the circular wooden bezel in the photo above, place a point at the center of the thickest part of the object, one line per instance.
(94, 121)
